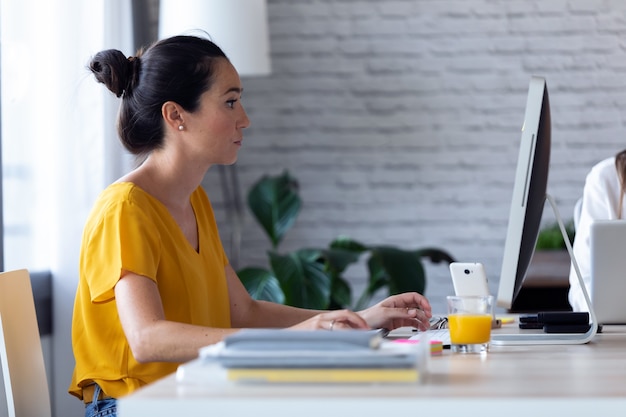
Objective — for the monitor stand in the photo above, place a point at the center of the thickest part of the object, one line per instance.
(521, 338)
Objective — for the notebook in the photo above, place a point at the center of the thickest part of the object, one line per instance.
(608, 270)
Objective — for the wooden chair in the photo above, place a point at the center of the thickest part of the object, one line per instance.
(25, 379)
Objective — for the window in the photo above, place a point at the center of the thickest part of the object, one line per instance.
(59, 145)
(23, 122)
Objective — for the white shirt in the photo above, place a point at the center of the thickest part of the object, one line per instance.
(600, 202)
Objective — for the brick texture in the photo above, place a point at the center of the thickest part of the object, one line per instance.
(401, 119)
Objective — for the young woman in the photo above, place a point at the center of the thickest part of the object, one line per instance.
(603, 199)
(154, 282)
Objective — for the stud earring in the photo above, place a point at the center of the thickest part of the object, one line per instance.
(181, 127)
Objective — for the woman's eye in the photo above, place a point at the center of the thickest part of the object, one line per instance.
(231, 103)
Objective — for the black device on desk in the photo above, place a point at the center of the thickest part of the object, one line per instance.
(556, 321)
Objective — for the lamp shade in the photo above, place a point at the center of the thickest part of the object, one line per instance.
(239, 27)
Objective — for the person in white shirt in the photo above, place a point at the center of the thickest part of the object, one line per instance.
(603, 199)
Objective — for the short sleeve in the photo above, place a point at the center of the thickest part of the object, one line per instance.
(125, 239)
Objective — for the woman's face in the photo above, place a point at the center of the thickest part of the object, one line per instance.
(217, 126)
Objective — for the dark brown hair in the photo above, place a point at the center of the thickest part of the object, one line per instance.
(178, 69)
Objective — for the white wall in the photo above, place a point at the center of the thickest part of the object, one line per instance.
(401, 119)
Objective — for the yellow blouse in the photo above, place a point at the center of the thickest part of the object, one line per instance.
(130, 230)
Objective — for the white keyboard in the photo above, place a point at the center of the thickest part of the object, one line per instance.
(436, 331)
(442, 335)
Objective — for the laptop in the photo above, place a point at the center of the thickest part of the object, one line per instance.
(608, 270)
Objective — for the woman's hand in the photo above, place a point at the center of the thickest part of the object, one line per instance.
(333, 320)
(407, 309)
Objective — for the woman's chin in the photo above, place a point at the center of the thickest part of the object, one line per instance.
(231, 161)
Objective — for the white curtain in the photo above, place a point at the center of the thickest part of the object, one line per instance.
(60, 147)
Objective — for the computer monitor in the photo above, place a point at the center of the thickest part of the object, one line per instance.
(529, 193)
(527, 205)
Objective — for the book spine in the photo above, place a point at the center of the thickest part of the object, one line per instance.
(334, 375)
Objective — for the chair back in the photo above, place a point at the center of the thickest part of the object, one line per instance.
(25, 380)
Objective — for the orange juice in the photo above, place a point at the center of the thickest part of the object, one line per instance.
(467, 329)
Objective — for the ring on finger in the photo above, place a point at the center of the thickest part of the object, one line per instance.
(332, 324)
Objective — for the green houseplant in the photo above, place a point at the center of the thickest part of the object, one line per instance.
(313, 277)
(551, 238)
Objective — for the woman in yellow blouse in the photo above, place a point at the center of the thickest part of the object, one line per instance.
(155, 284)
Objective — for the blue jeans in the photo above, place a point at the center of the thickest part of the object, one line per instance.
(101, 408)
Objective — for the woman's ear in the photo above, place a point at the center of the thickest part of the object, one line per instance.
(172, 115)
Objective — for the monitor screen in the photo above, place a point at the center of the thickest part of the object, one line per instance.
(529, 193)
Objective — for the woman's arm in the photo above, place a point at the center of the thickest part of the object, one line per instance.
(408, 309)
(153, 338)
(247, 312)
(150, 336)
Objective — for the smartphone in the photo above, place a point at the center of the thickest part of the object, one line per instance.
(469, 278)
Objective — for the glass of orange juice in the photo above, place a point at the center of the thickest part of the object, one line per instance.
(469, 321)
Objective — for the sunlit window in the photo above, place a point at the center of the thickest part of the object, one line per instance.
(59, 145)
(25, 126)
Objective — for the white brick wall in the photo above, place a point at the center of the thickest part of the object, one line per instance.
(401, 119)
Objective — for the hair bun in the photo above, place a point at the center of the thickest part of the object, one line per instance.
(113, 69)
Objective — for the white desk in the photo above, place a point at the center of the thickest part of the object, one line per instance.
(519, 381)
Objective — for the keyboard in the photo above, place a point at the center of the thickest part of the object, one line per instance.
(442, 335)
(438, 331)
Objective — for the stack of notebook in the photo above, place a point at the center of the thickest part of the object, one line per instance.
(353, 356)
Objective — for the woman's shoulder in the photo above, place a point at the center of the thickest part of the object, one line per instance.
(124, 194)
(604, 168)
(122, 191)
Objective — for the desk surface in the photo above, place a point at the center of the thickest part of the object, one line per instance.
(537, 380)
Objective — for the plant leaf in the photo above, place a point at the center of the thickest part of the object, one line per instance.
(338, 259)
(344, 242)
(377, 280)
(550, 236)
(303, 278)
(341, 294)
(261, 284)
(403, 268)
(275, 203)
